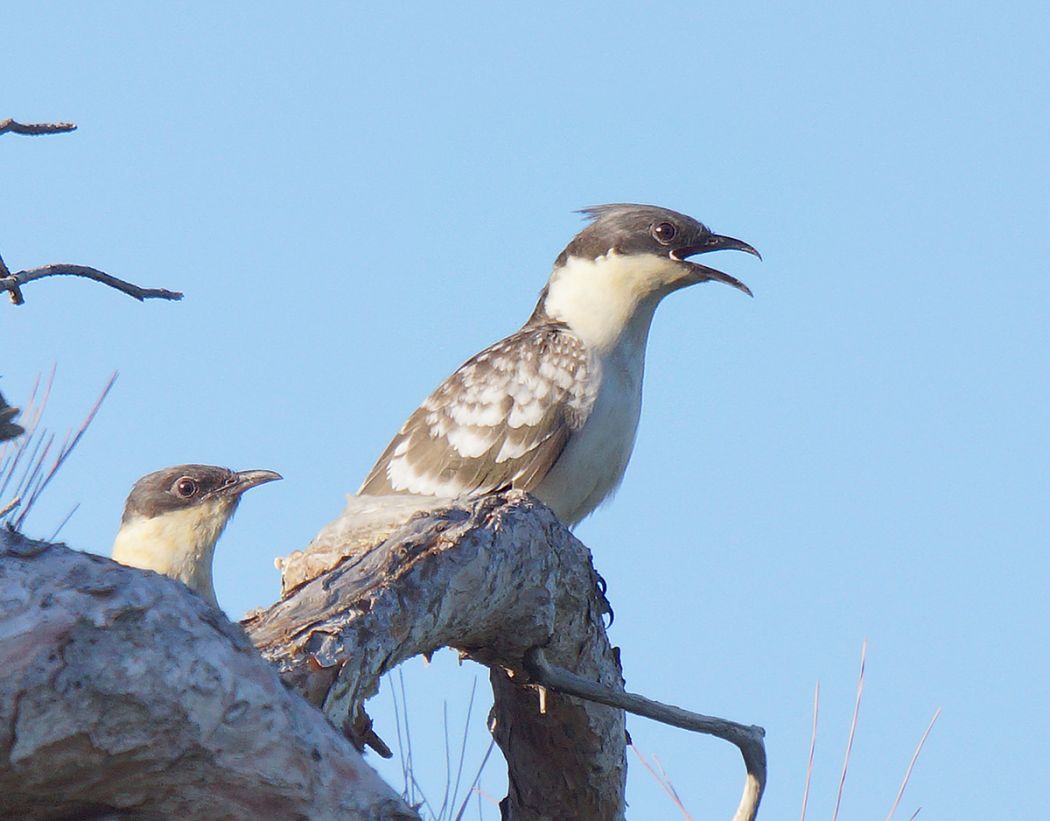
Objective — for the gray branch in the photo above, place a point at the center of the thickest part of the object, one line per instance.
(747, 738)
(14, 282)
(15, 127)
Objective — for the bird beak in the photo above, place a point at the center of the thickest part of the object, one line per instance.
(715, 242)
(245, 480)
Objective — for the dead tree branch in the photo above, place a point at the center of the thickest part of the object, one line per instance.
(13, 282)
(15, 127)
(113, 673)
(748, 739)
(124, 693)
(491, 577)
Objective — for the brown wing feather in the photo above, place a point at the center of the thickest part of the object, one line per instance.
(501, 420)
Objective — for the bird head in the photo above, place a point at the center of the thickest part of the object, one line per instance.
(660, 240)
(610, 278)
(187, 487)
(173, 518)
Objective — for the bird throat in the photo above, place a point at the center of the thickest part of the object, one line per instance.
(609, 302)
(179, 543)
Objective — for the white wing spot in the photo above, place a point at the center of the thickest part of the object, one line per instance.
(404, 477)
(513, 450)
(476, 414)
(526, 414)
(471, 442)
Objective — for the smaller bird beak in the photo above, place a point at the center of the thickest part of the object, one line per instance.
(245, 480)
(715, 242)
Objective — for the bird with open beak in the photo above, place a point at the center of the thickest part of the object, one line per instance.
(553, 409)
(173, 518)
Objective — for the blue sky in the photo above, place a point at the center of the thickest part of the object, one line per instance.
(356, 199)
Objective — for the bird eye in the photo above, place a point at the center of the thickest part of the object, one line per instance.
(664, 232)
(186, 487)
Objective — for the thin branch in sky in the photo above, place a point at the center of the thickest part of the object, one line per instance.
(852, 730)
(474, 788)
(812, 750)
(911, 766)
(15, 127)
(12, 283)
(67, 448)
(664, 782)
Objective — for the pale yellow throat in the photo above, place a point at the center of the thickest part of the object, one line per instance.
(179, 544)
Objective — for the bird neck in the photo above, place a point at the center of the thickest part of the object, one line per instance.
(607, 302)
(179, 544)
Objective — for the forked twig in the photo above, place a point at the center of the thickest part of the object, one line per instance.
(747, 738)
(16, 127)
(14, 282)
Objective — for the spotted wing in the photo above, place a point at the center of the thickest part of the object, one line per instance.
(500, 421)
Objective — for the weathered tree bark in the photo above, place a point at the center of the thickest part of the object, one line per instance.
(123, 692)
(493, 577)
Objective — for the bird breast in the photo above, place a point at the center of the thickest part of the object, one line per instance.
(593, 463)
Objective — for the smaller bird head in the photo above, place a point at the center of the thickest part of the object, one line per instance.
(184, 487)
(173, 518)
(640, 230)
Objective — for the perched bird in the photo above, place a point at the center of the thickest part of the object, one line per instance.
(553, 409)
(173, 518)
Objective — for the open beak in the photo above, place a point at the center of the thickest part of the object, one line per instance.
(245, 480)
(715, 242)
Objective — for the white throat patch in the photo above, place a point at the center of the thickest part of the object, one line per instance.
(601, 299)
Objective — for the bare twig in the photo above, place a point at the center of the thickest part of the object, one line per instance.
(35, 128)
(12, 453)
(64, 522)
(748, 739)
(670, 785)
(911, 766)
(13, 282)
(665, 783)
(812, 751)
(474, 788)
(63, 454)
(852, 729)
(463, 747)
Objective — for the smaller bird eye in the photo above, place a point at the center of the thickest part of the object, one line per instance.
(186, 487)
(664, 232)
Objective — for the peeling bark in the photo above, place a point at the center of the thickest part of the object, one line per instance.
(492, 577)
(123, 692)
